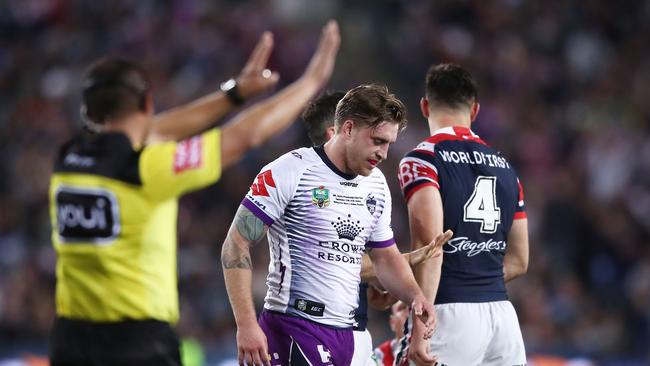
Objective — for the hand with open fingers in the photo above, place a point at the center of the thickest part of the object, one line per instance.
(252, 347)
(322, 62)
(426, 313)
(431, 250)
(419, 352)
(255, 78)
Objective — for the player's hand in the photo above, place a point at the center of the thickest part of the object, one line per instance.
(322, 62)
(419, 351)
(424, 311)
(252, 347)
(431, 250)
(255, 77)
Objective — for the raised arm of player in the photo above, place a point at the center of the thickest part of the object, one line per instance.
(425, 221)
(413, 258)
(515, 262)
(246, 230)
(192, 118)
(258, 123)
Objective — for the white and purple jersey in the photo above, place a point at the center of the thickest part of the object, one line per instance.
(320, 222)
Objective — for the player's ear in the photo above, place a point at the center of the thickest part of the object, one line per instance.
(476, 106)
(329, 133)
(347, 127)
(148, 103)
(424, 107)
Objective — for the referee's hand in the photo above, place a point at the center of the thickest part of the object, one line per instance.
(255, 78)
(252, 347)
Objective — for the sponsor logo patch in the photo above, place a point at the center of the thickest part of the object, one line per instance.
(347, 228)
(264, 179)
(320, 197)
(309, 307)
(188, 154)
(86, 215)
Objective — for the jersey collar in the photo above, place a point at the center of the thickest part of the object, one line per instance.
(458, 133)
(320, 150)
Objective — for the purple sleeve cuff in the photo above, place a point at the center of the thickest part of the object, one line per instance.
(268, 221)
(381, 244)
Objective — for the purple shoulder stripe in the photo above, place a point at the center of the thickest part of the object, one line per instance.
(257, 211)
(381, 244)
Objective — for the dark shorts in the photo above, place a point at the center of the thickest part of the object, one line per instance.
(295, 341)
(141, 342)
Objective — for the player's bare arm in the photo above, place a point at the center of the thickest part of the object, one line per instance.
(395, 275)
(515, 262)
(425, 220)
(245, 231)
(258, 123)
(433, 249)
(380, 299)
(200, 114)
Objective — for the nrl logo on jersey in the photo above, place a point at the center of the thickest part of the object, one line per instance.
(320, 197)
(371, 204)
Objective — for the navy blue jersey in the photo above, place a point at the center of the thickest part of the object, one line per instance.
(481, 196)
(361, 313)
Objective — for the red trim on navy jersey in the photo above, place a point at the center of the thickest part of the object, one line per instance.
(520, 215)
(460, 134)
(409, 191)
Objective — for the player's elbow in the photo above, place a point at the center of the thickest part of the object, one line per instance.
(521, 268)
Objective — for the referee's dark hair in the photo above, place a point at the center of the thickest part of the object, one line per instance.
(449, 85)
(113, 88)
(319, 115)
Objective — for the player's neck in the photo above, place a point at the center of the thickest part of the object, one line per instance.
(134, 126)
(449, 119)
(335, 151)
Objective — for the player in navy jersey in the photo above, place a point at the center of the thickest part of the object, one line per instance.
(319, 120)
(454, 180)
(322, 208)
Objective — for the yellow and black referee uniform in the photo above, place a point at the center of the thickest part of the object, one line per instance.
(113, 210)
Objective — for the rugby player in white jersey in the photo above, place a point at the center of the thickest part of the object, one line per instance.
(322, 208)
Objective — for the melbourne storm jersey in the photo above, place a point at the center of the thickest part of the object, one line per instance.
(320, 222)
(481, 197)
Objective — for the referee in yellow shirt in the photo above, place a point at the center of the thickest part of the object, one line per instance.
(114, 200)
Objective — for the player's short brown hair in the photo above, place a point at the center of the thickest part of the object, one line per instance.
(370, 105)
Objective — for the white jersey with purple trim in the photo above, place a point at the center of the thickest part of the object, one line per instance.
(320, 222)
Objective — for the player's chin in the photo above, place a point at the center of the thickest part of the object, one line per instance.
(366, 170)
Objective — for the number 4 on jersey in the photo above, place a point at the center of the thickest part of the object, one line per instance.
(482, 205)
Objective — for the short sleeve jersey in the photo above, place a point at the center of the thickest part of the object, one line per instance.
(481, 196)
(113, 210)
(320, 222)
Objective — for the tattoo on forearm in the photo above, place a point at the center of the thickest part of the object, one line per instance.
(232, 256)
(249, 226)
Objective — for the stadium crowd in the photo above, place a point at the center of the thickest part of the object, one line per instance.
(564, 94)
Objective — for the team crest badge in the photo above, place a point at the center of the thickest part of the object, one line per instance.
(302, 305)
(371, 204)
(320, 197)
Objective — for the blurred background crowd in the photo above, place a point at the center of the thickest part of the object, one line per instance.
(564, 88)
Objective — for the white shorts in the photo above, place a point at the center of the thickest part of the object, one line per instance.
(362, 348)
(469, 334)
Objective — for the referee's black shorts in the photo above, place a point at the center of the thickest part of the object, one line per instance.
(126, 343)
